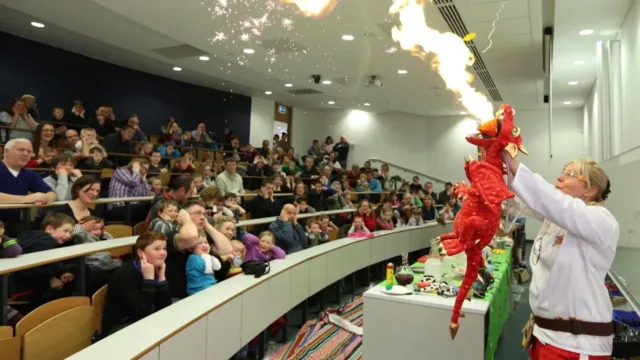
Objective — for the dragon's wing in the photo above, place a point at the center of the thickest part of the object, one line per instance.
(489, 182)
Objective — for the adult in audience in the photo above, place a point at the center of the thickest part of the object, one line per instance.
(61, 181)
(232, 149)
(228, 135)
(16, 116)
(129, 181)
(335, 201)
(384, 176)
(192, 218)
(330, 160)
(120, 142)
(290, 235)
(366, 167)
(16, 183)
(104, 123)
(134, 122)
(279, 187)
(429, 212)
(314, 151)
(265, 150)
(444, 196)
(201, 137)
(428, 190)
(263, 205)
(284, 143)
(228, 180)
(573, 252)
(32, 107)
(179, 190)
(43, 137)
(342, 148)
(258, 169)
(327, 147)
(167, 128)
(300, 190)
(309, 171)
(368, 215)
(139, 287)
(415, 185)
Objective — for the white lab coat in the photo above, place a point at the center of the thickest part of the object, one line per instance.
(568, 279)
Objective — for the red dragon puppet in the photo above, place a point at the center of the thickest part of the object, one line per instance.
(479, 218)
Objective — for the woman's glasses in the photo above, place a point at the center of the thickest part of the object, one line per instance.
(573, 174)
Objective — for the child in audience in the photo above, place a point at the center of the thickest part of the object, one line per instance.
(347, 200)
(146, 149)
(326, 225)
(183, 165)
(208, 175)
(446, 213)
(166, 222)
(43, 162)
(231, 203)
(416, 218)
(169, 150)
(155, 186)
(139, 287)
(97, 161)
(9, 248)
(239, 254)
(316, 236)
(201, 265)
(385, 221)
(51, 281)
(155, 163)
(198, 182)
(62, 179)
(358, 226)
(262, 248)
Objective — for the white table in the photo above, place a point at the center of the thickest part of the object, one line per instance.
(417, 327)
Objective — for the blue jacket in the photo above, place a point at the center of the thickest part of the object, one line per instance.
(197, 279)
(374, 185)
(290, 238)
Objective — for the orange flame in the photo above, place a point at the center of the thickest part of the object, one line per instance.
(452, 56)
(314, 8)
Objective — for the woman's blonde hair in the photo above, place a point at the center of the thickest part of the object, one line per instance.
(594, 176)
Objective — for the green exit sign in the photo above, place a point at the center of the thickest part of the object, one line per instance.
(282, 109)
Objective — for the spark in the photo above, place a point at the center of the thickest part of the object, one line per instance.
(245, 37)
(220, 36)
(246, 24)
(223, 3)
(493, 25)
(256, 31)
(451, 54)
(287, 24)
(391, 50)
(314, 8)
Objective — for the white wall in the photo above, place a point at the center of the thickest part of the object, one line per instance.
(261, 121)
(630, 53)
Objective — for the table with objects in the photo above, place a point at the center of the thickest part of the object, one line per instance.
(417, 325)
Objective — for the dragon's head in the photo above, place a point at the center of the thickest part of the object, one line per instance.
(502, 131)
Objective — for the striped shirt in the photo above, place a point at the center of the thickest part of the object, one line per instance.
(124, 183)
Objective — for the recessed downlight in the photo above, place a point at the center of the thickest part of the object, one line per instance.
(572, 83)
(177, 68)
(567, 102)
(347, 37)
(204, 58)
(578, 62)
(268, 92)
(288, 85)
(585, 32)
(37, 24)
(327, 82)
(402, 72)
(367, 104)
(248, 51)
(331, 102)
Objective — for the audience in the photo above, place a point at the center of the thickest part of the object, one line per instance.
(290, 236)
(228, 180)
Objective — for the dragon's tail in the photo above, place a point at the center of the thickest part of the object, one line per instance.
(474, 257)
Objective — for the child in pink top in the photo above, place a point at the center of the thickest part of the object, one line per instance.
(263, 248)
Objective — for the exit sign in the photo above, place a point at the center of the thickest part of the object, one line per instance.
(282, 109)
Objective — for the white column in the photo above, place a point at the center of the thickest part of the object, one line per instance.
(609, 98)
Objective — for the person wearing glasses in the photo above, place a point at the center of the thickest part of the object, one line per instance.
(572, 313)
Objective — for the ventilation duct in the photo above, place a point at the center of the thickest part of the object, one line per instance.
(451, 15)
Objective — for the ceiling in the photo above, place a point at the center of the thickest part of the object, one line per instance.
(605, 18)
(289, 48)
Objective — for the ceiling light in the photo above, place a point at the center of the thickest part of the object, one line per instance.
(573, 83)
(268, 92)
(347, 37)
(402, 72)
(288, 85)
(204, 58)
(567, 102)
(331, 102)
(578, 62)
(177, 68)
(367, 104)
(463, 113)
(249, 51)
(327, 82)
(586, 32)
(37, 24)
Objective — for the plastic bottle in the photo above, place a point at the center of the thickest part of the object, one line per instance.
(389, 283)
(489, 267)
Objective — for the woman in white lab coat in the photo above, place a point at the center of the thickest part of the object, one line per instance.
(569, 261)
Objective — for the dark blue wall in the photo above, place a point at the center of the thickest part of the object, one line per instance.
(57, 78)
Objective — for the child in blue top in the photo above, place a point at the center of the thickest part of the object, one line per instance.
(200, 266)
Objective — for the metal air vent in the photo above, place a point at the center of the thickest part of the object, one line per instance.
(451, 15)
(179, 52)
(304, 92)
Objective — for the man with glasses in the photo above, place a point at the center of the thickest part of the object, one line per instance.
(181, 242)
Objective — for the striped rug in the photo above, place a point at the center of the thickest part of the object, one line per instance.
(320, 339)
